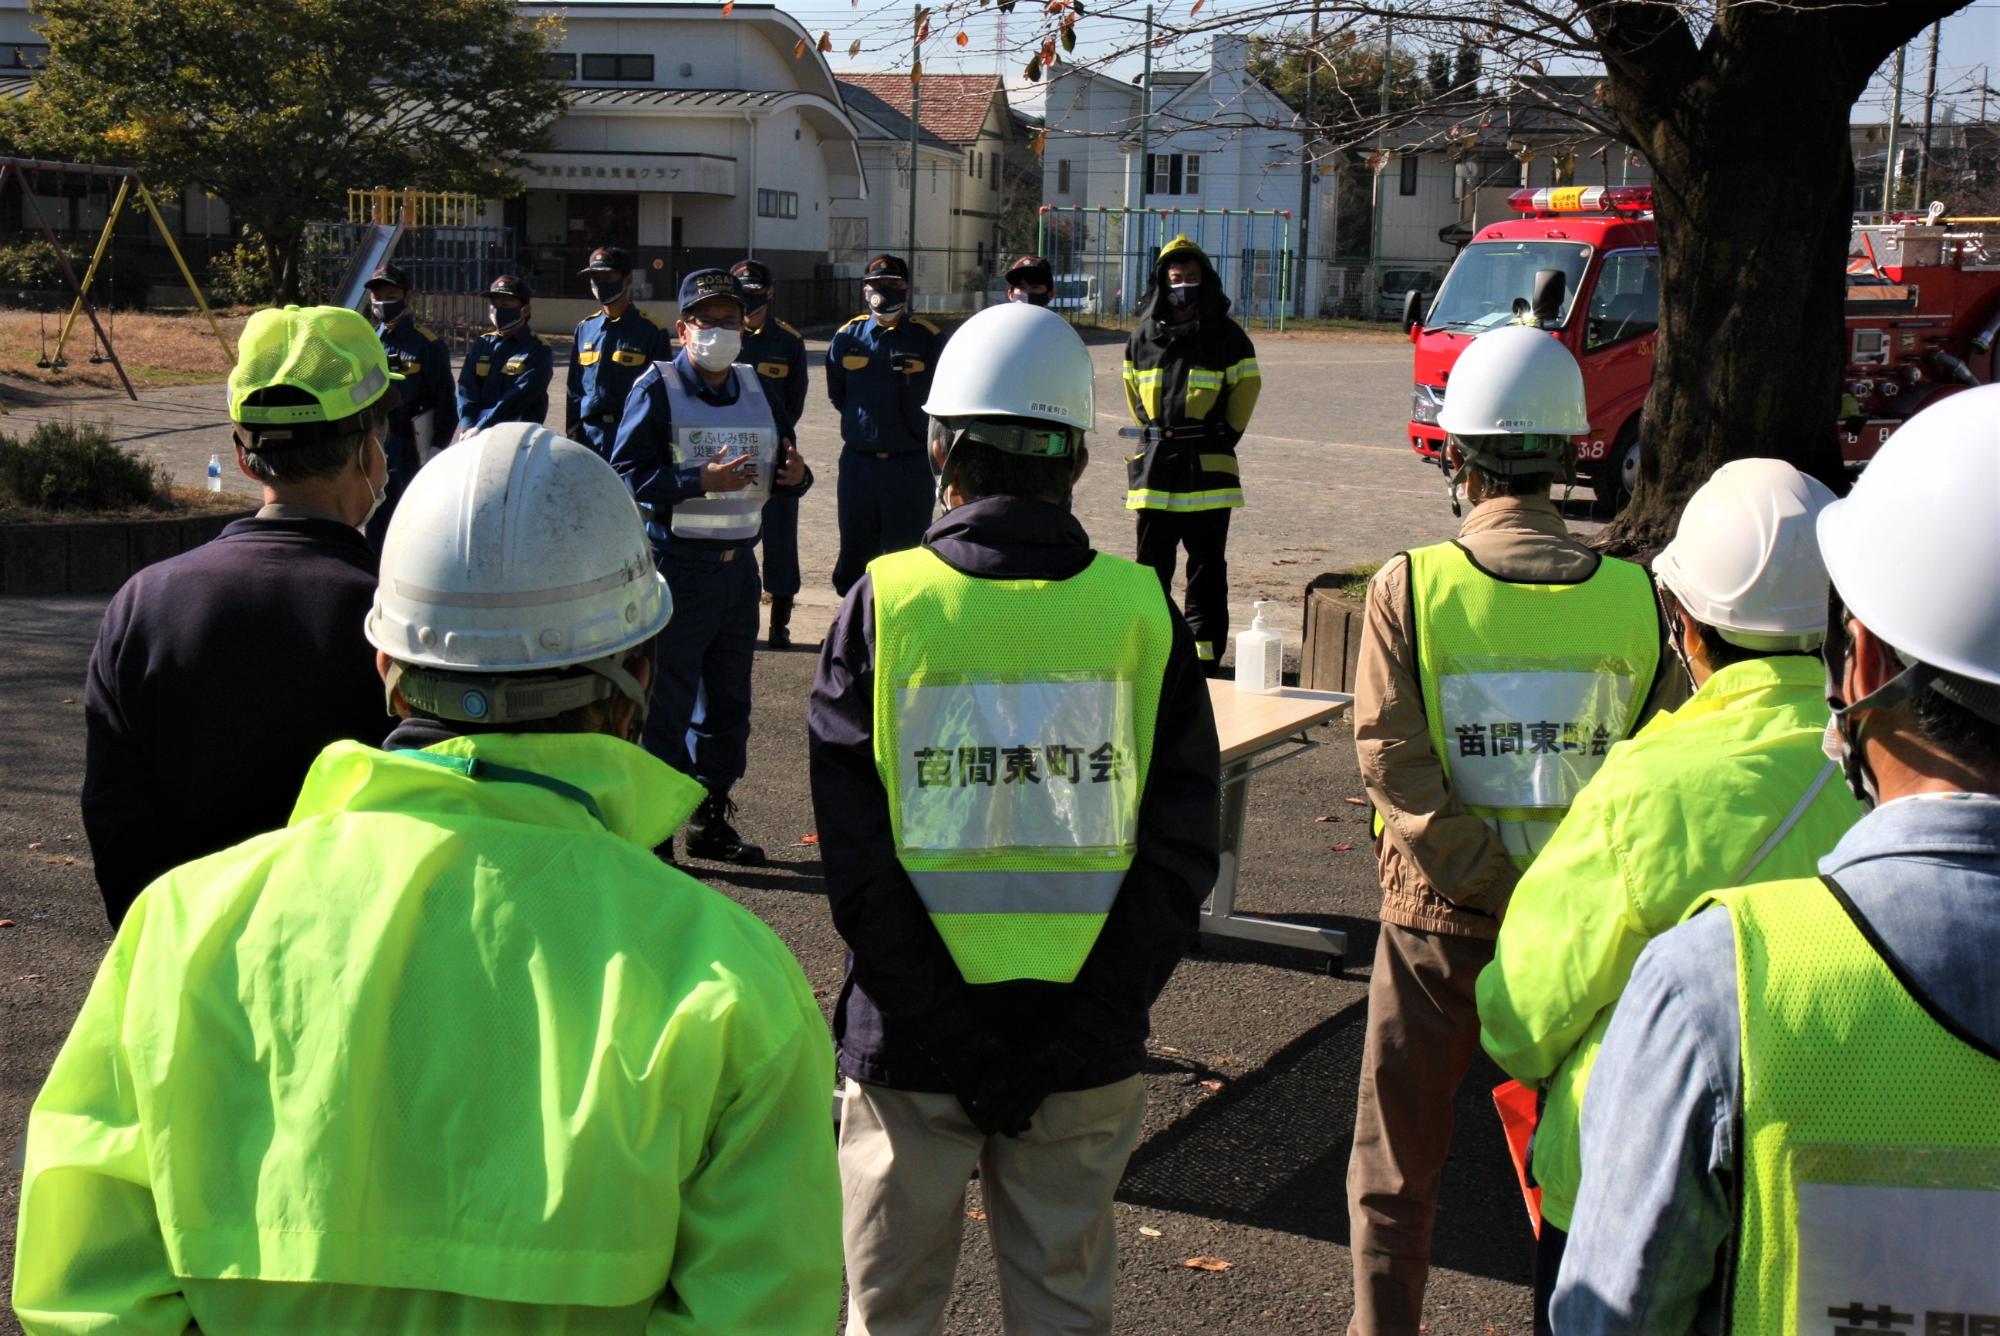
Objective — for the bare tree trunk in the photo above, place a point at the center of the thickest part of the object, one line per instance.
(1753, 189)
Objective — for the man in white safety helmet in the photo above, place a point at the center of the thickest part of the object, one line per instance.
(1728, 788)
(453, 1052)
(1015, 774)
(1495, 673)
(1795, 1118)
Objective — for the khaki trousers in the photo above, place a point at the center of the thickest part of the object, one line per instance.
(905, 1158)
(1423, 1032)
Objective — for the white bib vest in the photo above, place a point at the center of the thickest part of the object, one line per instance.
(703, 431)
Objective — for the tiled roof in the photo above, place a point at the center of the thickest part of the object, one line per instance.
(954, 105)
(870, 109)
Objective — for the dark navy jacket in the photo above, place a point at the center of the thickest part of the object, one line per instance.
(607, 357)
(218, 676)
(779, 353)
(903, 995)
(643, 452)
(425, 364)
(878, 376)
(505, 380)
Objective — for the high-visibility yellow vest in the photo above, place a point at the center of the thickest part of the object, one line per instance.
(1526, 686)
(1871, 1132)
(1013, 733)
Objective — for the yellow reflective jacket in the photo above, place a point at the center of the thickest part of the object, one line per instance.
(1730, 784)
(448, 1054)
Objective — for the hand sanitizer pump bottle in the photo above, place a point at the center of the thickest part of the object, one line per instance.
(1260, 655)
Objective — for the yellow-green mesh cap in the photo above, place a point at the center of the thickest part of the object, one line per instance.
(329, 352)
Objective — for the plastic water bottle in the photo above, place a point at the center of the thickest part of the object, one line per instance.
(215, 473)
(1260, 655)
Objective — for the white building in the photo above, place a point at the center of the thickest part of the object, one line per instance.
(1219, 144)
(694, 138)
(964, 181)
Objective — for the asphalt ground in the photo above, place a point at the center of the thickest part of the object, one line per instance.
(1255, 1049)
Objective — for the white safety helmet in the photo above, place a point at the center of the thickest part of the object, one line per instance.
(1745, 559)
(1015, 360)
(514, 555)
(1007, 369)
(1515, 381)
(1913, 549)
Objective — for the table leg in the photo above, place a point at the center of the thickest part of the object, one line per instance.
(1219, 917)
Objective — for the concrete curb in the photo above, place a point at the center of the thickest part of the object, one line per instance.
(97, 556)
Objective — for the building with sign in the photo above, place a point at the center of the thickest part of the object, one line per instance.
(695, 136)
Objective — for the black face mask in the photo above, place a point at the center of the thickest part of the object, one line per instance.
(607, 290)
(1843, 731)
(1031, 298)
(388, 313)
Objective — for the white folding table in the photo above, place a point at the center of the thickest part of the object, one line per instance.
(1257, 732)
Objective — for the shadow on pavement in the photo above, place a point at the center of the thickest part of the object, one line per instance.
(801, 878)
(1270, 1151)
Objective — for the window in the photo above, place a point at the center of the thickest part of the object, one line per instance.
(1062, 176)
(1406, 183)
(559, 65)
(1174, 173)
(602, 68)
(972, 164)
(777, 203)
(1626, 301)
(23, 55)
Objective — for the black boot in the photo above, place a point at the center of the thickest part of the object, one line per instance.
(711, 837)
(780, 636)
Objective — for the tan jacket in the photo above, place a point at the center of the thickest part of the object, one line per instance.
(1443, 869)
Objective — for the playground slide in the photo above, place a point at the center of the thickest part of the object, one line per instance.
(377, 243)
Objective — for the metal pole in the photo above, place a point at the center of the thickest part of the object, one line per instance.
(153, 211)
(1889, 151)
(90, 274)
(916, 110)
(1306, 162)
(1930, 102)
(1146, 114)
(89, 308)
(1382, 144)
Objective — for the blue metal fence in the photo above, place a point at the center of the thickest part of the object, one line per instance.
(1103, 258)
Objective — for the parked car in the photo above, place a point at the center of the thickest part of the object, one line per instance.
(1395, 283)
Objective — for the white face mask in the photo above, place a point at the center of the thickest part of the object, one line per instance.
(381, 494)
(714, 349)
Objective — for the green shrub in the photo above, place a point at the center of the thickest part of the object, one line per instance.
(74, 466)
(239, 277)
(30, 264)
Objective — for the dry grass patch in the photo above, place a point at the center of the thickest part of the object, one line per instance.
(156, 349)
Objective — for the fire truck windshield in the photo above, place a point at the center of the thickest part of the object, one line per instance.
(1480, 291)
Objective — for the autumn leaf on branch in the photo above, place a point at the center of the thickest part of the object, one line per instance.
(826, 41)
(962, 39)
(799, 51)
(854, 48)
(1034, 70)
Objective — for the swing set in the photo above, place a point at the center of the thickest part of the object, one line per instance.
(28, 174)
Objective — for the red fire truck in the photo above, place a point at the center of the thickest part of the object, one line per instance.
(1923, 316)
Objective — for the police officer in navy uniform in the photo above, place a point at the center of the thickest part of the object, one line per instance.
(422, 425)
(778, 352)
(611, 349)
(878, 374)
(506, 374)
(702, 447)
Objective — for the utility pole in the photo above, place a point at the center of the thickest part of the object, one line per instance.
(916, 110)
(1306, 135)
(1146, 117)
(1930, 102)
(1382, 141)
(1889, 149)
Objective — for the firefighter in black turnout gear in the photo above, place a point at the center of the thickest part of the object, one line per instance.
(1191, 382)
